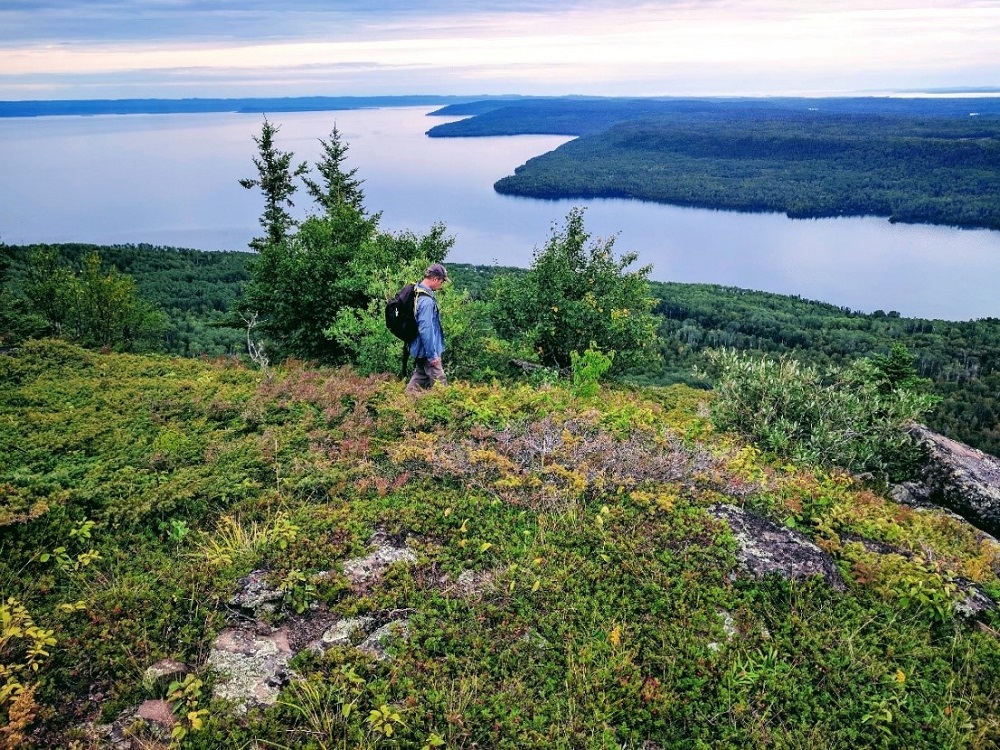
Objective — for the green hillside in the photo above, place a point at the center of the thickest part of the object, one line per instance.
(198, 291)
(569, 582)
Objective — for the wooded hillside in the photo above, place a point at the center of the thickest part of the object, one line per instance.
(198, 290)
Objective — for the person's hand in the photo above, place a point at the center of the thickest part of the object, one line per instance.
(436, 362)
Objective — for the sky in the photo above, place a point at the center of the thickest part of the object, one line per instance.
(88, 49)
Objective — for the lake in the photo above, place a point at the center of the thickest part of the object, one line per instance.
(172, 180)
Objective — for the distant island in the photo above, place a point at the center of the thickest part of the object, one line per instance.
(933, 161)
(80, 107)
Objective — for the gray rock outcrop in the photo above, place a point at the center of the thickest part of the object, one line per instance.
(764, 547)
(252, 668)
(959, 478)
(252, 658)
(255, 595)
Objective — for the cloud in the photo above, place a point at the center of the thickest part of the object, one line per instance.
(520, 45)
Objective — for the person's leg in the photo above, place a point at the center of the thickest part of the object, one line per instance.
(419, 380)
(435, 373)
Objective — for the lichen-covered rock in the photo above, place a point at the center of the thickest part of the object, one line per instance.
(472, 583)
(158, 676)
(390, 633)
(728, 629)
(363, 572)
(252, 667)
(764, 547)
(255, 595)
(341, 633)
(973, 602)
(960, 478)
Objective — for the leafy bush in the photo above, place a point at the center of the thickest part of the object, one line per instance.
(851, 417)
(577, 294)
(90, 306)
(588, 369)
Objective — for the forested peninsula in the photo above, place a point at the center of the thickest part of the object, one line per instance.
(934, 161)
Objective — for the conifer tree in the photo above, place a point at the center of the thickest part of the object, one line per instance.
(339, 185)
(276, 180)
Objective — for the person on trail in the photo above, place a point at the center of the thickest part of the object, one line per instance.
(426, 349)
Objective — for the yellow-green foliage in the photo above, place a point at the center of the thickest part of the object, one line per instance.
(605, 608)
(23, 649)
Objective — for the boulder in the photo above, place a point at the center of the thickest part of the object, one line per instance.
(959, 478)
(764, 547)
(252, 667)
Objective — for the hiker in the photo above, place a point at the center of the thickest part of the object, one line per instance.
(427, 347)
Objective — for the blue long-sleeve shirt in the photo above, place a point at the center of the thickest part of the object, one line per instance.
(430, 343)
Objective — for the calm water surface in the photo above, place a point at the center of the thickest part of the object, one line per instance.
(172, 180)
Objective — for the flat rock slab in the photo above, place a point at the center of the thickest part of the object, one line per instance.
(341, 633)
(252, 667)
(365, 633)
(764, 547)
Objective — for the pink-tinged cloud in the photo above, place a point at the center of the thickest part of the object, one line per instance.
(60, 48)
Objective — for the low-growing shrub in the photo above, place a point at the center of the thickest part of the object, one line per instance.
(851, 417)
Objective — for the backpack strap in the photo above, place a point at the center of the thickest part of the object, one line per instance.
(404, 361)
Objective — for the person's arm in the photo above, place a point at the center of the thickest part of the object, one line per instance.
(431, 343)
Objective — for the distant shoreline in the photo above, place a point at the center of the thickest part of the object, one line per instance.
(254, 105)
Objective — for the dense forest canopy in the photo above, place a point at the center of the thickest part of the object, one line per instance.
(198, 290)
(583, 115)
(918, 161)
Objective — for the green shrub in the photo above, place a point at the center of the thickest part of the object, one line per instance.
(851, 417)
(577, 292)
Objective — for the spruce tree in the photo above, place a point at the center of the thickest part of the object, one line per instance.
(339, 186)
(276, 180)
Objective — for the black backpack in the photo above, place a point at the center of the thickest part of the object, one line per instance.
(399, 318)
(401, 321)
